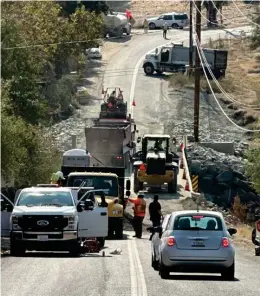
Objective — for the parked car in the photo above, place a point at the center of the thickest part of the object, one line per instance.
(173, 19)
(194, 241)
(94, 52)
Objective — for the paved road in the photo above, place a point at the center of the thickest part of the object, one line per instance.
(127, 274)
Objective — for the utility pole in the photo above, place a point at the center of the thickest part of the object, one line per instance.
(197, 75)
(191, 41)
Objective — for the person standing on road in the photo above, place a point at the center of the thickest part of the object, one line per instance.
(155, 211)
(165, 28)
(145, 26)
(139, 214)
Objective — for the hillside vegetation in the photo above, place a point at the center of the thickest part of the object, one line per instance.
(38, 50)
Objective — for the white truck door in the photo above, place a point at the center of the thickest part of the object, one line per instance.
(93, 223)
(6, 211)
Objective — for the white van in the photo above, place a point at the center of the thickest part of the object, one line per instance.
(174, 20)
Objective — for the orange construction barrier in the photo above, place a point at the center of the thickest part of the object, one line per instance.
(187, 187)
(133, 103)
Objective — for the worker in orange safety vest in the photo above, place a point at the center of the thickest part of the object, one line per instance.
(139, 213)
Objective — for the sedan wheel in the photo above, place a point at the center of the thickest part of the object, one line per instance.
(163, 272)
(229, 273)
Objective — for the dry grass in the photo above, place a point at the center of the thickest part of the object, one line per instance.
(243, 75)
(232, 17)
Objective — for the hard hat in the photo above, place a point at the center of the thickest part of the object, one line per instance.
(140, 194)
(59, 174)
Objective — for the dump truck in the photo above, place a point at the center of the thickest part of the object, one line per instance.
(115, 25)
(154, 164)
(110, 144)
(175, 58)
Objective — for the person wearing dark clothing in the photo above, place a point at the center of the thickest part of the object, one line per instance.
(155, 212)
(103, 203)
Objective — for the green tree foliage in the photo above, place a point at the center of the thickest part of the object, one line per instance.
(69, 7)
(253, 168)
(36, 83)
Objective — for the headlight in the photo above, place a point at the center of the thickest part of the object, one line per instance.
(15, 219)
(71, 219)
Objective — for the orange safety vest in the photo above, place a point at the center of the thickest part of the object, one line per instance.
(140, 207)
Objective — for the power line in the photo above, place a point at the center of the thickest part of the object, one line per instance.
(252, 22)
(199, 53)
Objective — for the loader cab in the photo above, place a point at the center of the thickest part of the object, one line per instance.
(155, 142)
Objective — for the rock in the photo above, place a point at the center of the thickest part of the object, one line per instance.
(195, 167)
(212, 169)
(209, 197)
(206, 184)
(226, 176)
(243, 185)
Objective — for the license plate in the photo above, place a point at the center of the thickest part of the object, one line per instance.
(198, 243)
(43, 238)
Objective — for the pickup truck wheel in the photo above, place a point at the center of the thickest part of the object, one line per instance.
(101, 241)
(229, 273)
(172, 187)
(148, 69)
(152, 26)
(17, 249)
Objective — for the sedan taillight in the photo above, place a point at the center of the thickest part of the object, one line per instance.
(225, 242)
(171, 241)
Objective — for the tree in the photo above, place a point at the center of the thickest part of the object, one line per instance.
(253, 168)
(69, 7)
(213, 10)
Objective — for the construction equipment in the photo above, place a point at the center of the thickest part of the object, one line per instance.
(155, 164)
(115, 25)
(114, 105)
(175, 58)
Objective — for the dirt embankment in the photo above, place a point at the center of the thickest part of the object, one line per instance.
(232, 17)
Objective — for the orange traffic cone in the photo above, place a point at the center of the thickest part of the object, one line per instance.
(133, 104)
(187, 187)
(184, 175)
(103, 91)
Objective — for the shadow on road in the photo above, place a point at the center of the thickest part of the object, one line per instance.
(119, 40)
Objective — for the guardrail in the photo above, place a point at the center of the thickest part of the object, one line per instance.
(194, 195)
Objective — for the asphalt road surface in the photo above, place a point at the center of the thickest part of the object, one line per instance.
(127, 274)
(130, 272)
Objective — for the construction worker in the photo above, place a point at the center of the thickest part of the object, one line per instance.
(57, 178)
(145, 26)
(155, 211)
(139, 214)
(165, 28)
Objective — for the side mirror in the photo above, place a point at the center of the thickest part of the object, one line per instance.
(128, 184)
(232, 231)
(89, 206)
(80, 207)
(138, 140)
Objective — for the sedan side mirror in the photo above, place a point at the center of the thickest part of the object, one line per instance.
(232, 231)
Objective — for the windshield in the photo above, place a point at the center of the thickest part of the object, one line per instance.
(160, 144)
(98, 182)
(45, 198)
(198, 222)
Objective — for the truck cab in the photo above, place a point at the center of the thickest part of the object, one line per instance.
(174, 57)
(50, 218)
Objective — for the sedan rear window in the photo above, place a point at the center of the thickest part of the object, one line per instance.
(198, 222)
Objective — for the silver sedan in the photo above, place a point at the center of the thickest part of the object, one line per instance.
(193, 241)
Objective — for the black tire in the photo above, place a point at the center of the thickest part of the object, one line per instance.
(155, 264)
(172, 187)
(17, 249)
(137, 184)
(152, 26)
(163, 272)
(175, 26)
(229, 273)
(148, 69)
(101, 241)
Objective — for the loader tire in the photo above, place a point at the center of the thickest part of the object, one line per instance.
(172, 186)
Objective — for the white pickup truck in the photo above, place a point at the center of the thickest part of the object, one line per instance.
(49, 218)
